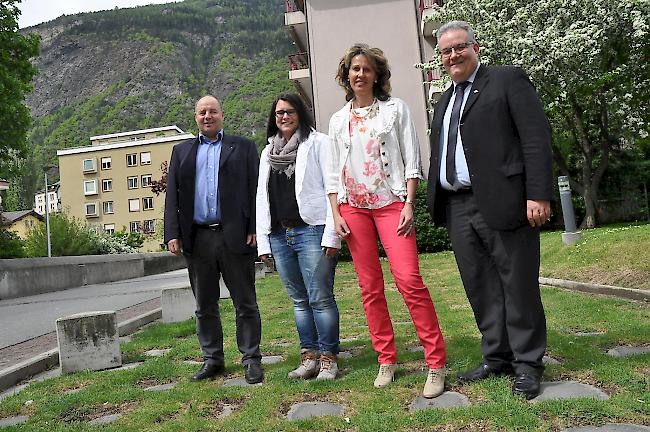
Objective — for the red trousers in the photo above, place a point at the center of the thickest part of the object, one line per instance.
(365, 225)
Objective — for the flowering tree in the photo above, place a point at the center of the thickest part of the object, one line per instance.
(589, 62)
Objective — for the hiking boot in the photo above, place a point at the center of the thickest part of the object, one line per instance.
(309, 366)
(328, 366)
(386, 375)
(435, 384)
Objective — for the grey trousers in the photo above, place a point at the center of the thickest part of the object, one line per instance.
(209, 260)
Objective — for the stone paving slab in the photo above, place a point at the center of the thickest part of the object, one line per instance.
(239, 382)
(105, 419)
(627, 351)
(305, 410)
(272, 359)
(446, 400)
(418, 348)
(345, 355)
(610, 427)
(587, 334)
(162, 387)
(568, 390)
(550, 360)
(350, 339)
(13, 421)
(157, 352)
(226, 411)
(127, 366)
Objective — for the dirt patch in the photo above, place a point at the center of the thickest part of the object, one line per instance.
(225, 407)
(86, 414)
(623, 276)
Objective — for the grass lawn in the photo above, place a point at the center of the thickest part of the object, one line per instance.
(613, 255)
(197, 406)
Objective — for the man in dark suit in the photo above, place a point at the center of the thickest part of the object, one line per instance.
(210, 219)
(490, 181)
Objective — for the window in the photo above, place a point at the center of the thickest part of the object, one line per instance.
(132, 182)
(134, 226)
(145, 158)
(108, 207)
(109, 228)
(147, 203)
(134, 205)
(132, 159)
(90, 187)
(91, 209)
(89, 165)
(106, 163)
(146, 180)
(149, 226)
(107, 185)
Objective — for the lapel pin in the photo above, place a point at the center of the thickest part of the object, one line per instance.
(475, 91)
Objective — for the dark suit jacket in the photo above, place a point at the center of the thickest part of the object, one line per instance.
(238, 167)
(507, 143)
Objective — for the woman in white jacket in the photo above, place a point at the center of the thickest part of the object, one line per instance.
(372, 176)
(295, 226)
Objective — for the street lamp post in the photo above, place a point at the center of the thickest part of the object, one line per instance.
(47, 218)
(571, 235)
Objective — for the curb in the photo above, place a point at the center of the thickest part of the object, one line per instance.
(41, 362)
(626, 293)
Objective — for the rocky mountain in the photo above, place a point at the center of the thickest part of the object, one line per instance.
(144, 67)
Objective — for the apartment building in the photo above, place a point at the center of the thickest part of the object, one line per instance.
(53, 199)
(108, 184)
(323, 29)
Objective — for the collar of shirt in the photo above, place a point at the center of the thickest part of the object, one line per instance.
(205, 140)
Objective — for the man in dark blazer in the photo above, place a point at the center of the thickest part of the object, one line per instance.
(210, 219)
(490, 182)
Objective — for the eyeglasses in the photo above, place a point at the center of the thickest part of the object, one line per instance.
(458, 49)
(281, 113)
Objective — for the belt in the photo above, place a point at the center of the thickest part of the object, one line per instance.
(292, 223)
(214, 226)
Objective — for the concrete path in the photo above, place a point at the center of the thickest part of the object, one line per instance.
(25, 318)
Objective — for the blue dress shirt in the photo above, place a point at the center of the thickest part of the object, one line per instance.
(462, 172)
(206, 187)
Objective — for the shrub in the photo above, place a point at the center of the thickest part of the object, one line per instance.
(11, 246)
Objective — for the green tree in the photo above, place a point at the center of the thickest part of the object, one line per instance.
(68, 236)
(16, 73)
(11, 246)
(589, 62)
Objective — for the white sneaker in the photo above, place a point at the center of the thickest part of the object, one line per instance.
(435, 384)
(309, 366)
(328, 367)
(386, 375)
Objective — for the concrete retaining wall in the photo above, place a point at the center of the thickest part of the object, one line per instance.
(30, 276)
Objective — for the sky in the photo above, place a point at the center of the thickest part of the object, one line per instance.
(38, 11)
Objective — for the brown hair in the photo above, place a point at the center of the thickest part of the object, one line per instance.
(377, 59)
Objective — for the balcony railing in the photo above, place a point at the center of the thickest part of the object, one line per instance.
(299, 61)
(426, 4)
(294, 5)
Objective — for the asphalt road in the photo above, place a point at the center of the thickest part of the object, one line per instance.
(25, 318)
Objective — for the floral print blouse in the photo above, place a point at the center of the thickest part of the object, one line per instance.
(363, 174)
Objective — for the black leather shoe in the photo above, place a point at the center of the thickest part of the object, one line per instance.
(208, 370)
(482, 372)
(526, 385)
(253, 373)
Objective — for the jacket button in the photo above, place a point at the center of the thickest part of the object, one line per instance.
(383, 153)
(386, 164)
(383, 143)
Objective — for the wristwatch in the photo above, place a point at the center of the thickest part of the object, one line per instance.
(408, 201)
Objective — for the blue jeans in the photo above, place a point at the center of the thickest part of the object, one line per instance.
(308, 275)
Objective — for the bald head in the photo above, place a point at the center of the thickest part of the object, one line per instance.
(209, 116)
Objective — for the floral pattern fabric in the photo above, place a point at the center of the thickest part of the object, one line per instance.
(363, 174)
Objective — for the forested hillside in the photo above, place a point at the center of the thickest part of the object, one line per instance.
(144, 67)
